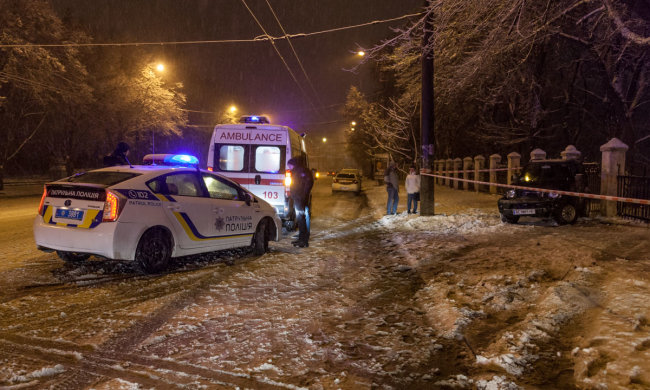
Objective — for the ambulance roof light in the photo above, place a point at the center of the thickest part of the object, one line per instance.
(254, 119)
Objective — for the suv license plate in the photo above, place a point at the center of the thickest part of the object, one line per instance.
(523, 212)
(69, 214)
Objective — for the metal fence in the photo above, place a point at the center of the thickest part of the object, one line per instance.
(634, 187)
(592, 182)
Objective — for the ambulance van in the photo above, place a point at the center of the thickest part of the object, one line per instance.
(254, 153)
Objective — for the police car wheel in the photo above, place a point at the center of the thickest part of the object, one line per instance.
(72, 257)
(261, 239)
(154, 250)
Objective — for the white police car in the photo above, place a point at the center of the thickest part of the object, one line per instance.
(151, 213)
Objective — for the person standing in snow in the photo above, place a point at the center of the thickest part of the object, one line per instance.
(412, 184)
(392, 188)
(302, 181)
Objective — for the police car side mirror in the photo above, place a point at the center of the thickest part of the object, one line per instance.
(248, 198)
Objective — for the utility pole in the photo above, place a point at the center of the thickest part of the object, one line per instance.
(427, 119)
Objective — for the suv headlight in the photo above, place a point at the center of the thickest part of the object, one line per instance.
(554, 195)
(511, 194)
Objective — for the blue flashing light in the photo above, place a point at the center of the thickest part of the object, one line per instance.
(181, 159)
(254, 119)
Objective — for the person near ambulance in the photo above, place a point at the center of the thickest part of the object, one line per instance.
(392, 188)
(412, 184)
(302, 181)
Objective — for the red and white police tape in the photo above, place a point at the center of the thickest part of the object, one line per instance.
(568, 193)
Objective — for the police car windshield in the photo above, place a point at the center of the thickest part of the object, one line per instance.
(103, 178)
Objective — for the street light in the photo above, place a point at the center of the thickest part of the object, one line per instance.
(324, 139)
(160, 67)
(353, 123)
(361, 53)
(233, 109)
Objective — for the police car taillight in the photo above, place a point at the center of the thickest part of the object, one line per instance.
(40, 206)
(112, 207)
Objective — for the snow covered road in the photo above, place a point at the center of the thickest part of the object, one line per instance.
(457, 300)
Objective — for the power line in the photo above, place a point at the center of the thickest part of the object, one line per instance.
(216, 41)
(280, 55)
(295, 54)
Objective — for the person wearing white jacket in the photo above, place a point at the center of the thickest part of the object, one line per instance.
(412, 185)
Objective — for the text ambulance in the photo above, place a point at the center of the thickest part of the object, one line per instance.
(254, 153)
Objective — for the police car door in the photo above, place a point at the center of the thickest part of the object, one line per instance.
(233, 220)
(189, 210)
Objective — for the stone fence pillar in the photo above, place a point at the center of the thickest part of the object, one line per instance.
(495, 159)
(449, 166)
(613, 164)
(467, 165)
(479, 163)
(514, 162)
(457, 165)
(538, 154)
(570, 153)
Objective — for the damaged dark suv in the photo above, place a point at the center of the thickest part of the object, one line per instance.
(561, 175)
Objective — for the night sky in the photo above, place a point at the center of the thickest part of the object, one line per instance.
(251, 75)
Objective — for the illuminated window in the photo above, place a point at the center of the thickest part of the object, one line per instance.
(267, 159)
(231, 158)
(220, 190)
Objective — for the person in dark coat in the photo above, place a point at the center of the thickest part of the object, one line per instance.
(118, 157)
(302, 181)
(392, 188)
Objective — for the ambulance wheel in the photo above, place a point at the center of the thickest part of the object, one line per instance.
(72, 257)
(154, 250)
(261, 239)
(290, 225)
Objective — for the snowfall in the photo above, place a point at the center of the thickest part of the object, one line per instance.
(456, 300)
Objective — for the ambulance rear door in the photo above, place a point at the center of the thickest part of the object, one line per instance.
(230, 153)
(267, 162)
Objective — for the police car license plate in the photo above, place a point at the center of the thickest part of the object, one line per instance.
(69, 214)
(344, 187)
(523, 212)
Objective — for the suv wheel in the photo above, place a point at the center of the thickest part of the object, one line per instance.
(566, 214)
(509, 219)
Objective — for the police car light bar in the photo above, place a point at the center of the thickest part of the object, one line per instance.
(170, 159)
(254, 119)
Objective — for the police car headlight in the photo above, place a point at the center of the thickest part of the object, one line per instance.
(511, 194)
(554, 195)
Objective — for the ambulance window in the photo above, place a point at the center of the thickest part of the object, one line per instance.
(268, 159)
(219, 189)
(231, 158)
